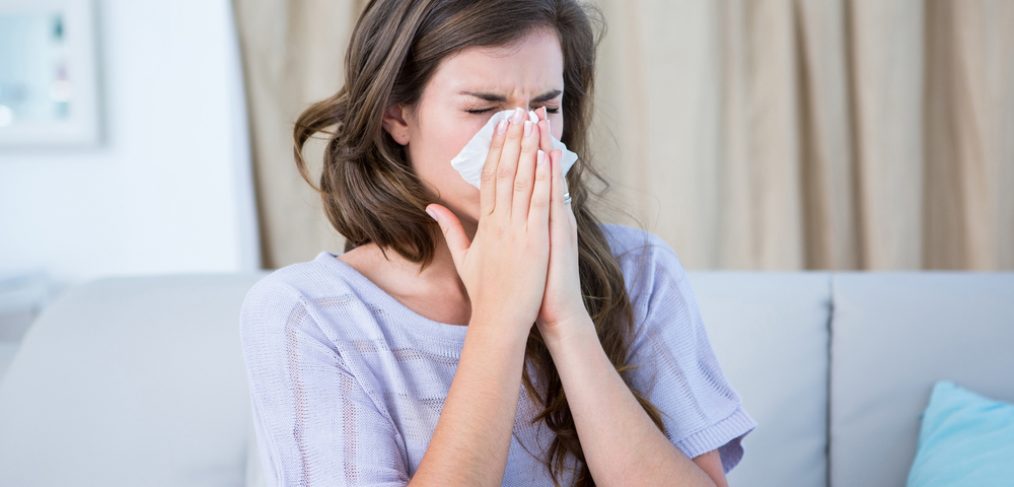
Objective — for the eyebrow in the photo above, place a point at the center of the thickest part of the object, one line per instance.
(549, 95)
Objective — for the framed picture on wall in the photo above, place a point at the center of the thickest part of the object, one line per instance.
(48, 74)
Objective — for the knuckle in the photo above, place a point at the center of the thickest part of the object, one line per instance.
(488, 174)
(514, 133)
(529, 143)
(499, 230)
(540, 201)
(521, 186)
(527, 154)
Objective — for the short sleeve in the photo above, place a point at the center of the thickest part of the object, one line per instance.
(676, 367)
(314, 423)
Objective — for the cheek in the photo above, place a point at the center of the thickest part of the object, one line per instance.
(435, 146)
(450, 135)
(431, 155)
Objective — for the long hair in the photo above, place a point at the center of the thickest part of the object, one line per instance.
(371, 194)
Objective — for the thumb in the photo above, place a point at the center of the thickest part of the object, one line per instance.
(454, 234)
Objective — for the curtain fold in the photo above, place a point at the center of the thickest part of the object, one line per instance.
(293, 56)
(753, 135)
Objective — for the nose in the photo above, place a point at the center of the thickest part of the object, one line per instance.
(526, 109)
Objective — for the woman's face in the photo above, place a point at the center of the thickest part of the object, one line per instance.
(474, 80)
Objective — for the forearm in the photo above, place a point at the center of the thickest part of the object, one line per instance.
(620, 442)
(471, 440)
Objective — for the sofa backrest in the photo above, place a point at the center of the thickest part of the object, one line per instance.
(769, 331)
(140, 380)
(894, 335)
(130, 381)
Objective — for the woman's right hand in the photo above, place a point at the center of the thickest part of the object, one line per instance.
(504, 267)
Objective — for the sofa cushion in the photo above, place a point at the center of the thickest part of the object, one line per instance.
(769, 332)
(254, 471)
(894, 335)
(7, 351)
(130, 381)
(965, 440)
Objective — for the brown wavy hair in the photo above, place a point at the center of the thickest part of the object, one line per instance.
(371, 193)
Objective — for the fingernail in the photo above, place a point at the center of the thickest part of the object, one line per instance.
(516, 116)
(528, 127)
(432, 214)
(502, 126)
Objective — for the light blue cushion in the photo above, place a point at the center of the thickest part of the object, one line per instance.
(966, 440)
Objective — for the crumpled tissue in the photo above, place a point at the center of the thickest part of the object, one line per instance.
(472, 157)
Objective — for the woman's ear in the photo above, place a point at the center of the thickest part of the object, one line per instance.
(395, 123)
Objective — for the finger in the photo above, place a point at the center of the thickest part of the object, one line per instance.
(487, 183)
(454, 234)
(538, 214)
(556, 205)
(526, 173)
(545, 132)
(524, 184)
(507, 166)
(522, 198)
(563, 176)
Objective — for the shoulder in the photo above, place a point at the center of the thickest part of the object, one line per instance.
(301, 290)
(310, 280)
(280, 284)
(270, 303)
(647, 260)
(624, 238)
(627, 241)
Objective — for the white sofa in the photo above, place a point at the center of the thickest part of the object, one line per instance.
(139, 380)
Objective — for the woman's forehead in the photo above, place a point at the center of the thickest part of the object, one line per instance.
(541, 80)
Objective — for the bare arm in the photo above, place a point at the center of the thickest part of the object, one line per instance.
(620, 442)
(472, 437)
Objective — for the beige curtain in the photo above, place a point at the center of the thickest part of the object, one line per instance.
(292, 56)
(749, 134)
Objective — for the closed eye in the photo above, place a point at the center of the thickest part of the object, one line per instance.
(548, 110)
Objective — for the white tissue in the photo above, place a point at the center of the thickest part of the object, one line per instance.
(472, 157)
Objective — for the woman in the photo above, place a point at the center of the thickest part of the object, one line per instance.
(513, 341)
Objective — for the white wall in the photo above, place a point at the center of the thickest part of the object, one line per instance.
(168, 190)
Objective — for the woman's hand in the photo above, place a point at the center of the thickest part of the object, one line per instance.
(504, 267)
(562, 304)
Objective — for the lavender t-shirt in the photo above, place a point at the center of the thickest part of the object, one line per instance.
(347, 383)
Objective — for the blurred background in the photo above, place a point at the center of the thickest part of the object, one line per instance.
(142, 137)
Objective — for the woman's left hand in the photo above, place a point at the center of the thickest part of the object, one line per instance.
(562, 305)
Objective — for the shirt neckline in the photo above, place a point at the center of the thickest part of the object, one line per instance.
(452, 331)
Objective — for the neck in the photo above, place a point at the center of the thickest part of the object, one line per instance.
(441, 274)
